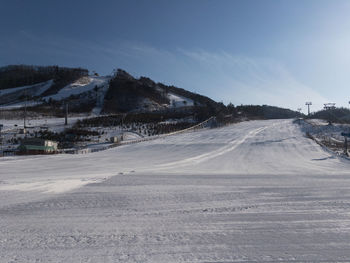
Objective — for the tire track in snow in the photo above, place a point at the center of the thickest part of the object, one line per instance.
(213, 154)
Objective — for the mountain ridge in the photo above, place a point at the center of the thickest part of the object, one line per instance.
(48, 89)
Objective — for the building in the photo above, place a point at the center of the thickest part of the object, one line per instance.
(116, 139)
(37, 146)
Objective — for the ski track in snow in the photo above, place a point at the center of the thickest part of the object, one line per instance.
(257, 191)
(206, 156)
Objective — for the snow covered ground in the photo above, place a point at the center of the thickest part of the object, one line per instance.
(254, 191)
(55, 124)
(328, 135)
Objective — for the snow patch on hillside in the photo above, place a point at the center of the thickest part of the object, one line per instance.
(21, 104)
(101, 93)
(38, 88)
(177, 101)
(15, 97)
(79, 87)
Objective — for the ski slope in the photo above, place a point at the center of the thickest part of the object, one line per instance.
(177, 101)
(256, 191)
(77, 88)
(38, 88)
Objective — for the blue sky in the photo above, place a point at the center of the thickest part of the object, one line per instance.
(281, 52)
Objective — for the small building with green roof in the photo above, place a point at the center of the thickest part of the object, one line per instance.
(37, 146)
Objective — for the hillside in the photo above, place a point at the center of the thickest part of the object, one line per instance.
(14, 76)
(45, 91)
(43, 87)
(339, 115)
(267, 112)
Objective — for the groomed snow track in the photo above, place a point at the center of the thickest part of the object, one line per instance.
(256, 191)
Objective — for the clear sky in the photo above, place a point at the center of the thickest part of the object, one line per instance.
(280, 52)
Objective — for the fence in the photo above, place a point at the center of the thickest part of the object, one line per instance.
(193, 128)
(201, 125)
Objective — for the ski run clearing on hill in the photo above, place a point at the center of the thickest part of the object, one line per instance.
(254, 191)
(83, 85)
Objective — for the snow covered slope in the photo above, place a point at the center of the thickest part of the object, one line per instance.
(84, 84)
(177, 101)
(15, 97)
(40, 88)
(255, 191)
(141, 95)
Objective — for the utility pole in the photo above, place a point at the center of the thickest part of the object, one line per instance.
(25, 112)
(346, 146)
(308, 103)
(66, 115)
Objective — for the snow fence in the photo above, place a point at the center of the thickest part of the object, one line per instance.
(205, 124)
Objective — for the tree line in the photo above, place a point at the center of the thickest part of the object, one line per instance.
(23, 75)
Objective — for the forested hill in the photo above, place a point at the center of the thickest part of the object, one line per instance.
(45, 89)
(13, 76)
(339, 115)
(267, 112)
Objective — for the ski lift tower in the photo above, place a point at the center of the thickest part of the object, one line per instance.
(308, 103)
(329, 106)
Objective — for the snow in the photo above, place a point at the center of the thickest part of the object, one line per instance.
(79, 87)
(129, 136)
(257, 191)
(179, 101)
(52, 186)
(189, 119)
(324, 133)
(20, 104)
(40, 88)
(54, 124)
(33, 90)
(100, 98)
